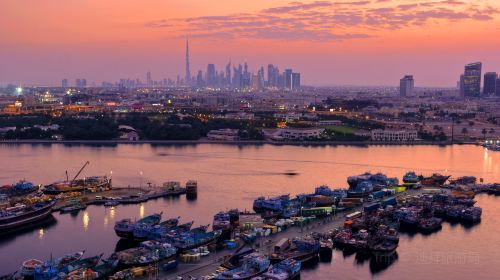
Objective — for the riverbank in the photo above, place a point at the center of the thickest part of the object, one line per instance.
(237, 142)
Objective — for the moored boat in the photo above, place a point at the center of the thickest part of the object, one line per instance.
(285, 270)
(411, 178)
(147, 253)
(252, 265)
(20, 215)
(435, 180)
(125, 228)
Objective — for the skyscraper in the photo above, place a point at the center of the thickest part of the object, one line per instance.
(211, 75)
(148, 79)
(188, 71)
(64, 83)
(406, 85)
(228, 74)
(288, 79)
(199, 79)
(295, 81)
(472, 79)
(498, 87)
(490, 83)
(461, 85)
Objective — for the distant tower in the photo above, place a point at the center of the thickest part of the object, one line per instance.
(188, 72)
(472, 79)
(149, 82)
(406, 85)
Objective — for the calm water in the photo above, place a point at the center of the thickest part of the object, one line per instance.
(232, 176)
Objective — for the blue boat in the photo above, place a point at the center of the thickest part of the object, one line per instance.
(189, 240)
(285, 270)
(362, 189)
(222, 221)
(125, 228)
(378, 180)
(252, 265)
(326, 191)
(142, 230)
(274, 204)
(165, 233)
(147, 253)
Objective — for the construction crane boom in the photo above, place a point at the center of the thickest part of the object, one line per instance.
(80, 171)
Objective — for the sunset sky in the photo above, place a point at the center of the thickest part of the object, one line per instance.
(330, 42)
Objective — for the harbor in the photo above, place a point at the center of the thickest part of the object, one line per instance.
(209, 264)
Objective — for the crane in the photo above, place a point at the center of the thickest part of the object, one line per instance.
(80, 171)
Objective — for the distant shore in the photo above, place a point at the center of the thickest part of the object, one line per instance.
(236, 142)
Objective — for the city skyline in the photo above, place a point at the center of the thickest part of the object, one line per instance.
(333, 43)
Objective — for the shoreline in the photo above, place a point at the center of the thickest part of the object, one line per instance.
(236, 142)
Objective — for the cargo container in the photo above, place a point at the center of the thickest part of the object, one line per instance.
(376, 195)
(389, 201)
(371, 207)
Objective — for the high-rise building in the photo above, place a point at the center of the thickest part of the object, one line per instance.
(472, 79)
(149, 82)
(228, 74)
(237, 76)
(81, 83)
(211, 75)
(461, 85)
(199, 79)
(187, 78)
(288, 79)
(490, 83)
(498, 87)
(406, 85)
(295, 81)
(64, 83)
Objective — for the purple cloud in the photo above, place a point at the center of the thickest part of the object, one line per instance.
(325, 20)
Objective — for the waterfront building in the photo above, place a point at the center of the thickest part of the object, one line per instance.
(406, 85)
(301, 133)
(490, 83)
(391, 135)
(223, 134)
(472, 79)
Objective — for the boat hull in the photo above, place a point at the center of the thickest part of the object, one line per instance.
(29, 218)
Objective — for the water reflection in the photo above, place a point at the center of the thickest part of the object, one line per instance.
(112, 212)
(85, 220)
(41, 233)
(141, 210)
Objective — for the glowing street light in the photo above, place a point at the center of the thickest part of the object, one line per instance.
(19, 90)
